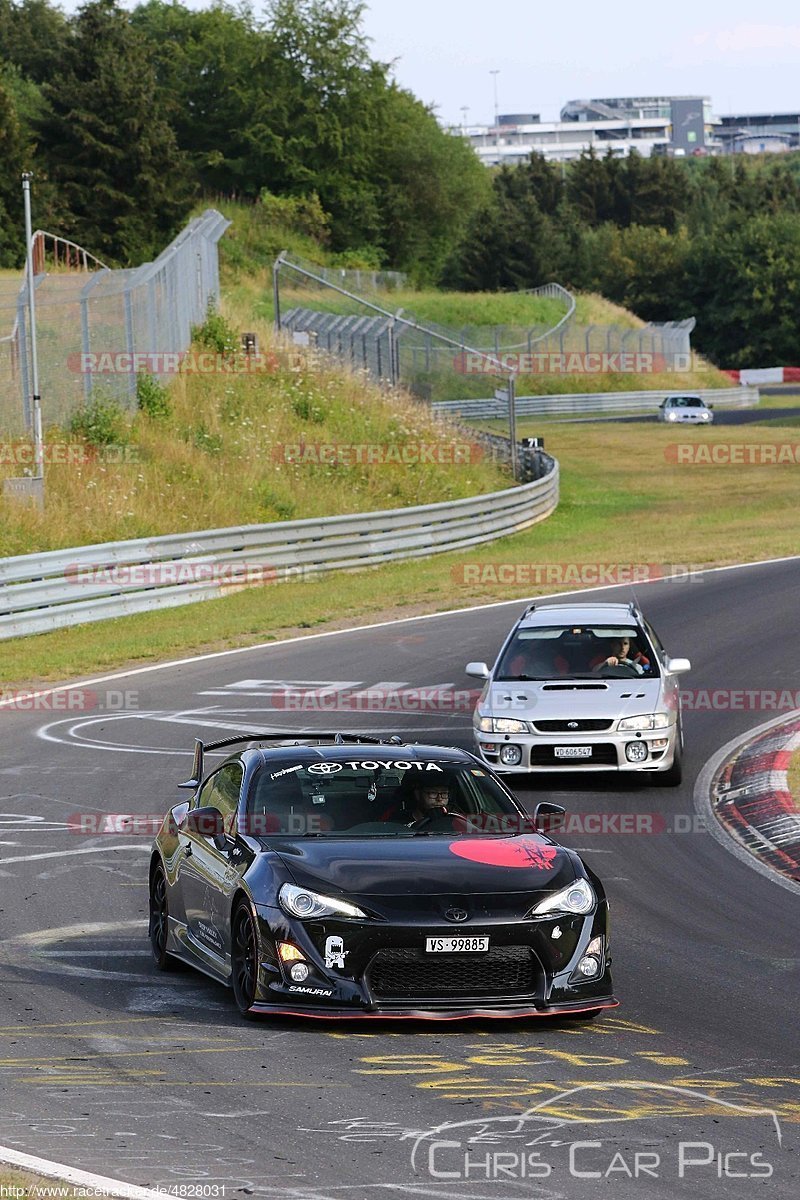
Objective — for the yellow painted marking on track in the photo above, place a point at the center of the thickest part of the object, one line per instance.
(33, 1031)
(408, 1064)
(101, 1054)
(774, 1081)
(705, 1085)
(663, 1060)
(525, 1057)
(201, 1083)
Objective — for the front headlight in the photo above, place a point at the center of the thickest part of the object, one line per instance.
(300, 902)
(500, 725)
(577, 898)
(651, 721)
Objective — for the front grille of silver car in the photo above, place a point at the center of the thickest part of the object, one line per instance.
(577, 725)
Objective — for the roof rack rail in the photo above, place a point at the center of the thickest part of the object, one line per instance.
(339, 738)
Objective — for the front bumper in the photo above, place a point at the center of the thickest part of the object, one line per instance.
(538, 752)
(529, 970)
(331, 1013)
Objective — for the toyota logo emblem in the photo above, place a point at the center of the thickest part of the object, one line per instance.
(324, 768)
(572, 724)
(456, 914)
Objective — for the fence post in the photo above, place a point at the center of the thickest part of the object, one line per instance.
(276, 290)
(512, 423)
(22, 333)
(129, 341)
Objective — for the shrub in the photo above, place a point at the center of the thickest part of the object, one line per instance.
(101, 422)
(152, 398)
(216, 333)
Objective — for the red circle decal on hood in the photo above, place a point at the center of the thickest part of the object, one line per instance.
(521, 852)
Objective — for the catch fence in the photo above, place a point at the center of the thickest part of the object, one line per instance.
(97, 328)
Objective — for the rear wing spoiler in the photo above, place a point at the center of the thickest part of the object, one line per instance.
(293, 739)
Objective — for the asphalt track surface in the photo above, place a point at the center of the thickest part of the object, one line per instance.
(109, 1066)
(735, 416)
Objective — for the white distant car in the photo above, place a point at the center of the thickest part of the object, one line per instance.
(585, 687)
(685, 408)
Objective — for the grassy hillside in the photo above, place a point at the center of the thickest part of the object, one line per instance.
(211, 453)
(208, 454)
(257, 236)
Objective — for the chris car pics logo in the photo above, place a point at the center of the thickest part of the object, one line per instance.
(579, 1134)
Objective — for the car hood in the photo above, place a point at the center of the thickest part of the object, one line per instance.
(568, 699)
(427, 865)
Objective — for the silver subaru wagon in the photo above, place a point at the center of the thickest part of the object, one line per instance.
(581, 687)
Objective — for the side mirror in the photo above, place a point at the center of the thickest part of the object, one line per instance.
(548, 816)
(678, 666)
(477, 670)
(207, 822)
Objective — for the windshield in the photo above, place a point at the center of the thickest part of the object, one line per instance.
(578, 652)
(369, 798)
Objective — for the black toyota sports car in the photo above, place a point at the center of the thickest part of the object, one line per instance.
(342, 876)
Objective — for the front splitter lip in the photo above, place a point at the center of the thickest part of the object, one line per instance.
(421, 1014)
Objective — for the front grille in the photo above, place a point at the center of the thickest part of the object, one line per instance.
(602, 756)
(404, 974)
(579, 725)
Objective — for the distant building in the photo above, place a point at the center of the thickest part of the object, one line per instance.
(678, 125)
(759, 133)
(561, 141)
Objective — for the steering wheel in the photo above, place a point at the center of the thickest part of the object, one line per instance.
(457, 822)
(624, 664)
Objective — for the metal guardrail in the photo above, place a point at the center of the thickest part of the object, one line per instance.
(593, 402)
(42, 592)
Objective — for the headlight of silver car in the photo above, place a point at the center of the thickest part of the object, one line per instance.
(650, 721)
(300, 902)
(578, 898)
(500, 725)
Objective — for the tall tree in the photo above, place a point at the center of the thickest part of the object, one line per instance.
(122, 183)
(15, 153)
(33, 34)
(428, 185)
(215, 69)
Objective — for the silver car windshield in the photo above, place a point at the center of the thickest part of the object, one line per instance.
(578, 652)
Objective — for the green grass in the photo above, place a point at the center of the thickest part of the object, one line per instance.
(622, 501)
(793, 778)
(785, 400)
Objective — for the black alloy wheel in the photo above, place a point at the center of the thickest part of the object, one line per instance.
(244, 959)
(159, 920)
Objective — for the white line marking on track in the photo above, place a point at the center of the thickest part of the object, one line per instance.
(17, 858)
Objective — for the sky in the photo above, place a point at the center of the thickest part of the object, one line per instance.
(745, 56)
